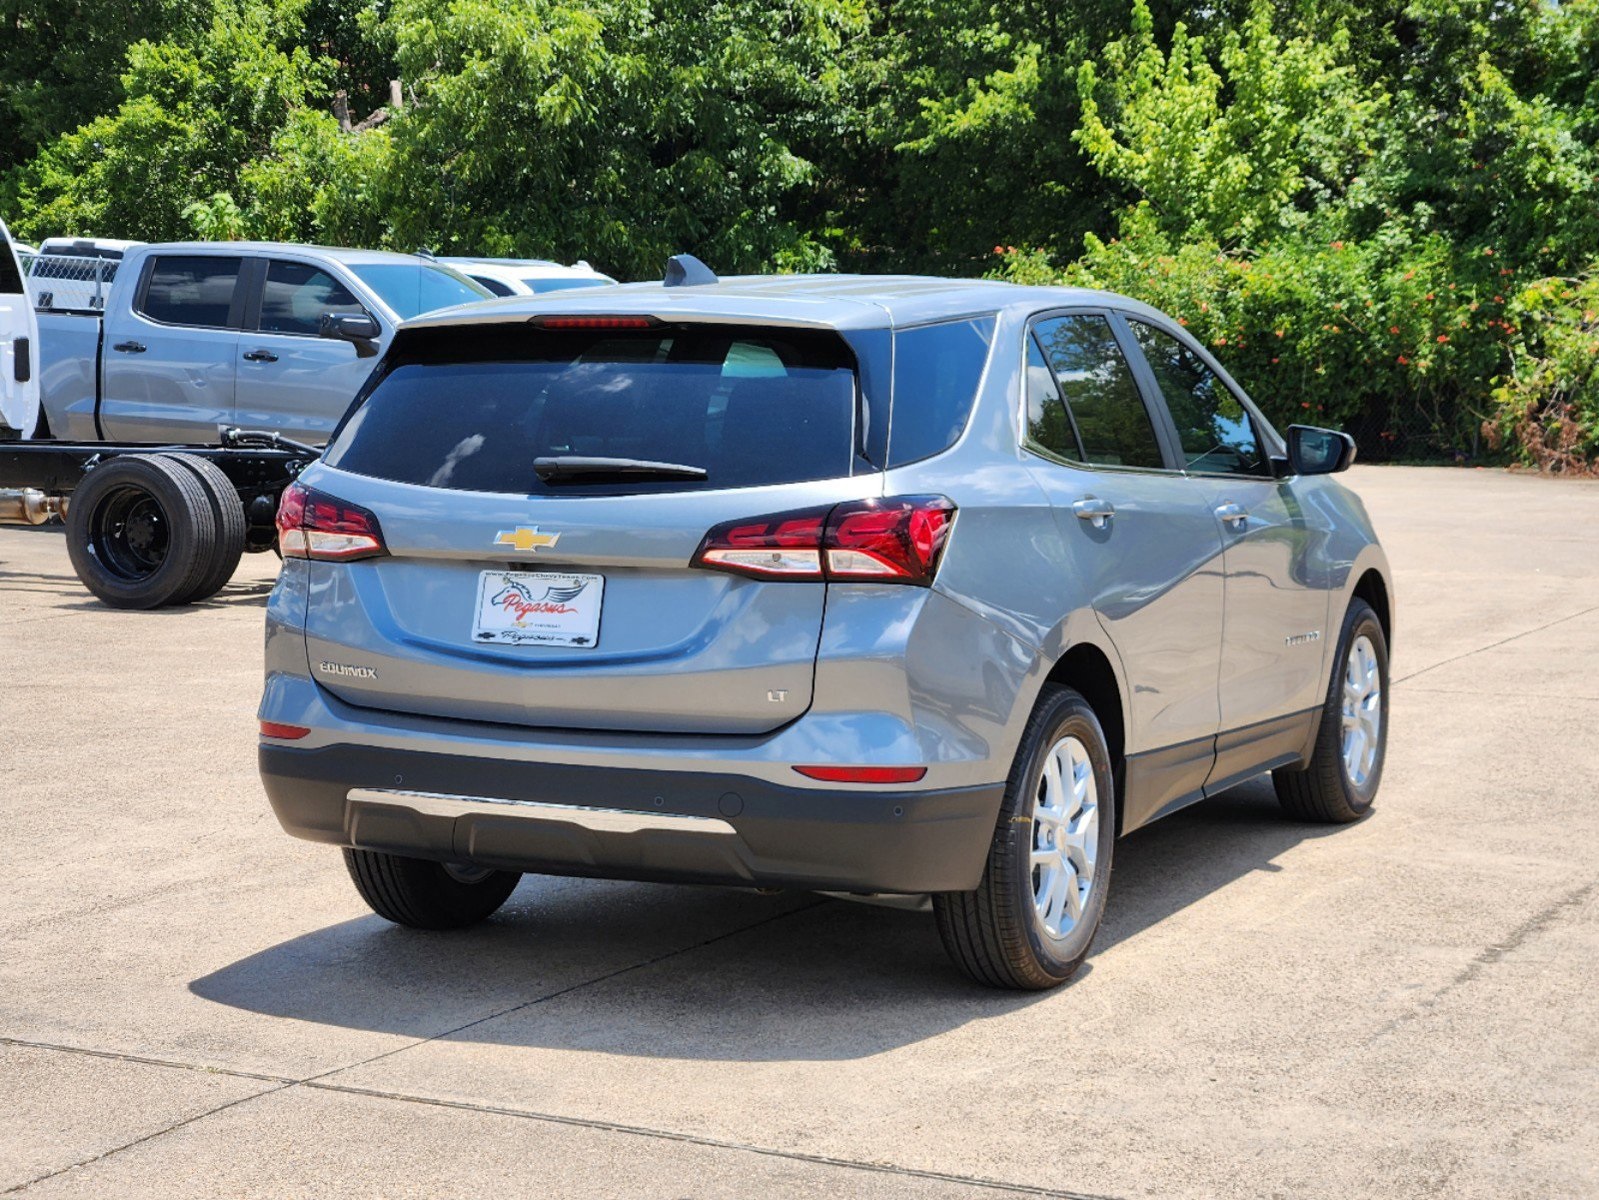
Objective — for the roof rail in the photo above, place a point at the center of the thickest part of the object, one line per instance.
(684, 270)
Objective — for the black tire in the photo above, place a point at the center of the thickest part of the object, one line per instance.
(1323, 790)
(427, 895)
(140, 531)
(228, 513)
(995, 933)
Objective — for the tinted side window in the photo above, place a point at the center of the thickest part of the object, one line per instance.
(1104, 401)
(1212, 425)
(298, 294)
(936, 372)
(191, 290)
(494, 285)
(1049, 425)
(10, 277)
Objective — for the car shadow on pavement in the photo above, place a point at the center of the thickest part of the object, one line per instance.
(708, 973)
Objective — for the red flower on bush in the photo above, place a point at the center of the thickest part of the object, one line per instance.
(1442, 338)
(1403, 361)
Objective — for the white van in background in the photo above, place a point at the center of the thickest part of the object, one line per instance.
(19, 348)
(528, 276)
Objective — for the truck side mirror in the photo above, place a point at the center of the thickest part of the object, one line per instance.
(350, 327)
(1313, 451)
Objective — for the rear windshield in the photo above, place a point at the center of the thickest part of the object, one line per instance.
(472, 410)
(563, 283)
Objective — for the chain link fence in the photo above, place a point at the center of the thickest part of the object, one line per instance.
(68, 282)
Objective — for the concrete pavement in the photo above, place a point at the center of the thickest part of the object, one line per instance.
(192, 1003)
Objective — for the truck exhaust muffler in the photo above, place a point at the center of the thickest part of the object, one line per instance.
(29, 506)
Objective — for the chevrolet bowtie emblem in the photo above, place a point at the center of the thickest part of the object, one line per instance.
(524, 538)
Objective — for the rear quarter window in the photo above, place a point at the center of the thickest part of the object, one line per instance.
(937, 369)
(191, 290)
(471, 410)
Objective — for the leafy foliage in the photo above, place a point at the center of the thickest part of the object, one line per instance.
(1549, 402)
(1372, 210)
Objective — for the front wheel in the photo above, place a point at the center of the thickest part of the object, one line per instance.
(1032, 918)
(423, 894)
(1340, 781)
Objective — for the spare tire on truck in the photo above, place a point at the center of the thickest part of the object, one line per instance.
(142, 532)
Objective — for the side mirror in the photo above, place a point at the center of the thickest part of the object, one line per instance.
(1313, 451)
(350, 327)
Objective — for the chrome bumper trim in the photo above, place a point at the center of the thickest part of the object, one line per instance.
(602, 820)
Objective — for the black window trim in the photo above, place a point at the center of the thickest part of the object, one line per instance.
(1270, 446)
(989, 315)
(1159, 420)
(235, 318)
(257, 294)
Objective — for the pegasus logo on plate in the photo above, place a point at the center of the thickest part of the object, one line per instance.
(526, 539)
(518, 600)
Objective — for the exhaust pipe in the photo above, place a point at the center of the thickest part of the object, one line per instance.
(31, 507)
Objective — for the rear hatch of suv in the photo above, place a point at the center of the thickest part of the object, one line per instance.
(540, 491)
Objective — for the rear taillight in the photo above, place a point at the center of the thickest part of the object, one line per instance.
(312, 524)
(897, 540)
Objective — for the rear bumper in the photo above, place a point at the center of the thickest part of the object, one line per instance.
(671, 826)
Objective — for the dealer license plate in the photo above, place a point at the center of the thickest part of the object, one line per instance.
(522, 608)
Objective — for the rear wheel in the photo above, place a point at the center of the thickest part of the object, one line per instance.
(423, 894)
(228, 513)
(140, 531)
(1340, 781)
(1031, 920)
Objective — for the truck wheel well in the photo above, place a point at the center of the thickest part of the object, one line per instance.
(1374, 592)
(1085, 668)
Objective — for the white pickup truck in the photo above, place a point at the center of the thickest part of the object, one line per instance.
(159, 397)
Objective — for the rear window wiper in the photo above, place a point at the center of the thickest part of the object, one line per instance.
(578, 466)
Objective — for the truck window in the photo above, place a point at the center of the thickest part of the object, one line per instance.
(298, 295)
(10, 276)
(191, 289)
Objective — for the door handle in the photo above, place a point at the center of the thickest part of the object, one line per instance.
(129, 347)
(1095, 511)
(260, 356)
(1234, 515)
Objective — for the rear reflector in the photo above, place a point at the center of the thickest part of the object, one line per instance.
(290, 733)
(593, 322)
(863, 774)
(312, 524)
(897, 540)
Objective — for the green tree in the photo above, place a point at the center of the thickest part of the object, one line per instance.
(61, 62)
(617, 131)
(193, 117)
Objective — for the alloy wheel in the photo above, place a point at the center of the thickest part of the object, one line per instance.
(1065, 836)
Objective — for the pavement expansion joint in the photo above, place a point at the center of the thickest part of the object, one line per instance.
(1494, 645)
(319, 1083)
(1540, 922)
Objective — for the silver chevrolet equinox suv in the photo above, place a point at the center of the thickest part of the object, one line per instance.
(869, 585)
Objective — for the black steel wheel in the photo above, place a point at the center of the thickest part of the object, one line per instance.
(141, 532)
